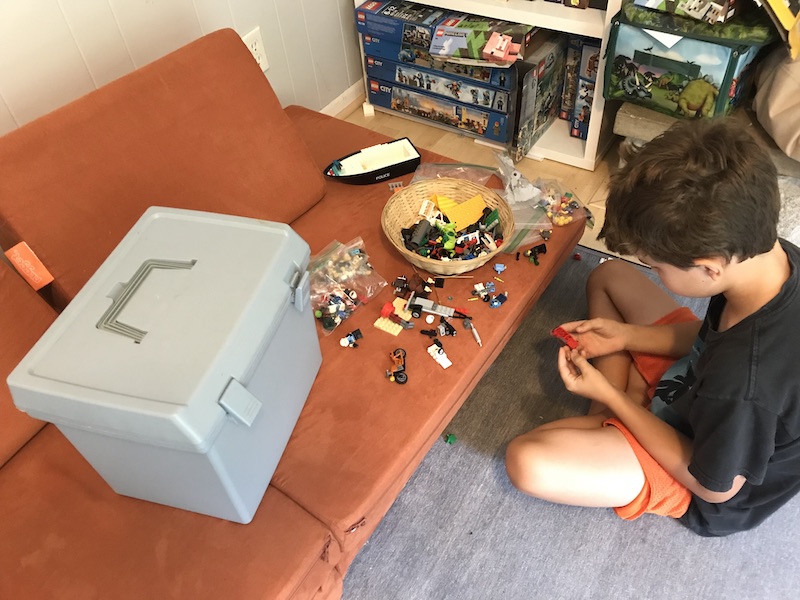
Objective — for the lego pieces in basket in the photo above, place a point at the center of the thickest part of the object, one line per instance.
(448, 230)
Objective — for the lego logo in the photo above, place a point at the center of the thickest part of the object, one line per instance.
(373, 85)
(371, 6)
(361, 17)
(439, 32)
(367, 39)
(370, 61)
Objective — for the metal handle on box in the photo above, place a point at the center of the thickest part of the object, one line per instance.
(123, 293)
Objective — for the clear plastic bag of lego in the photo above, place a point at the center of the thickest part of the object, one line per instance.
(341, 279)
(530, 218)
(517, 189)
(530, 221)
(475, 173)
(561, 205)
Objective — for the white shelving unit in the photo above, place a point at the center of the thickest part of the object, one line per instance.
(556, 144)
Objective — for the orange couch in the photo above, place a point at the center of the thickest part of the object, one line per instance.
(202, 129)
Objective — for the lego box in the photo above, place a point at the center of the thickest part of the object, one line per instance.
(472, 120)
(584, 92)
(541, 81)
(399, 21)
(572, 65)
(467, 91)
(376, 47)
(480, 38)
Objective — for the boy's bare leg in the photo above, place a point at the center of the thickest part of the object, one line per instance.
(618, 291)
(577, 460)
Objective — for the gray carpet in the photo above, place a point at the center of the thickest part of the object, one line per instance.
(459, 530)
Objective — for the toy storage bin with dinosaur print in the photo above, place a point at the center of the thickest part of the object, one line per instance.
(680, 66)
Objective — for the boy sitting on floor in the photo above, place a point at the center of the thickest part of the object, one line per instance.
(697, 420)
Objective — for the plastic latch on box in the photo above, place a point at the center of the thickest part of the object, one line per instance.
(301, 290)
(239, 403)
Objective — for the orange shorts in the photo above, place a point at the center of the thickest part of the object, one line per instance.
(661, 494)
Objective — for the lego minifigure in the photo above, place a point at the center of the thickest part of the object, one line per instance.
(350, 339)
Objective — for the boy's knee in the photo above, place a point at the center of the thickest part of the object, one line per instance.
(606, 271)
(606, 274)
(523, 464)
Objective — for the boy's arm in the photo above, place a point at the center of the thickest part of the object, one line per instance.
(673, 340)
(600, 337)
(671, 449)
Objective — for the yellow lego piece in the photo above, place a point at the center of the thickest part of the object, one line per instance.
(399, 309)
(463, 214)
(443, 203)
(386, 325)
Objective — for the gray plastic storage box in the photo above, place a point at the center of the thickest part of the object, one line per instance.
(180, 369)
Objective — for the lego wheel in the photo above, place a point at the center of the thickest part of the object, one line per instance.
(399, 352)
(400, 377)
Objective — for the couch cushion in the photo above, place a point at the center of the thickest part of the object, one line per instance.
(200, 128)
(66, 534)
(360, 437)
(24, 317)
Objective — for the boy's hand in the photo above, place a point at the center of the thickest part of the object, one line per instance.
(581, 378)
(598, 337)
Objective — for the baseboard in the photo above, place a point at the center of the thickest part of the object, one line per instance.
(355, 93)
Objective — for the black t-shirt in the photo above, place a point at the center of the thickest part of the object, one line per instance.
(737, 396)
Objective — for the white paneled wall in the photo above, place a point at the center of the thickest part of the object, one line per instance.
(53, 51)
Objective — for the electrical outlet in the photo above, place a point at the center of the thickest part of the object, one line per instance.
(255, 44)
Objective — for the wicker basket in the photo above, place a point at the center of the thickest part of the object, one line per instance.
(402, 211)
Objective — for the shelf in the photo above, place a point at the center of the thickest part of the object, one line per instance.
(547, 15)
(556, 143)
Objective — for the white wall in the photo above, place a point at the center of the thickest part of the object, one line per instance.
(53, 51)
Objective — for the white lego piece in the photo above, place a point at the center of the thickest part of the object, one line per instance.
(438, 354)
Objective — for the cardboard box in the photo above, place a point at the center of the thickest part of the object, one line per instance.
(471, 120)
(466, 37)
(572, 64)
(500, 78)
(467, 91)
(399, 21)
(541, 82)
(584, 94)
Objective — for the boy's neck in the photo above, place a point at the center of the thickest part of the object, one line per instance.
(753, 283)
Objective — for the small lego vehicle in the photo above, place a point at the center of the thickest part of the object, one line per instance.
(417, 306)
(564, 337)
(398, 373)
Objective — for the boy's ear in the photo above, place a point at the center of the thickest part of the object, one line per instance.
(713, 266)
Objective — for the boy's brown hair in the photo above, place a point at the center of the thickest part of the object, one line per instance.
(701, 189)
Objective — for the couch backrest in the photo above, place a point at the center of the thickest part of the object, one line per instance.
(200, 128)
(24, 317)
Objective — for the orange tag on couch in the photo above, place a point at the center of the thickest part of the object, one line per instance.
(29, 266)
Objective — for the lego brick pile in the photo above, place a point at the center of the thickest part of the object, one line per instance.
(447, 230)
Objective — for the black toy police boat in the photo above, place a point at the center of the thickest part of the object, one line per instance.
(376, 163)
